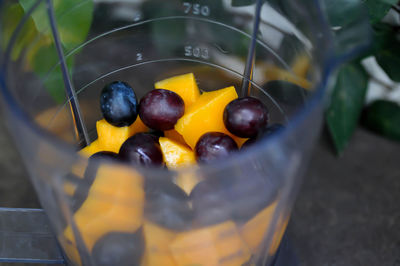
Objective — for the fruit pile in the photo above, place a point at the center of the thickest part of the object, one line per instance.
(175, 125)
(127, 219)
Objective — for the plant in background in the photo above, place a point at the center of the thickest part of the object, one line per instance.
(373, 78)
(35, 41)
(368, 88)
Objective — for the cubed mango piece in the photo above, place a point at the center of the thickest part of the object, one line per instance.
(93, 148)
(175, 136)
(157, 241)
(114, 203)
(216, 245)
(187, 181)
(206, 115)
(254, 231)
(111, 137)
(176, 154)
(183, 85)
(278, 234)
(70, 250)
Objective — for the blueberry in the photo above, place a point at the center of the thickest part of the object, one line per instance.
(214, 145)
(119, 248)
(244, 117)
(143, 149)
(160, 109)
(118, 104)
(167, 205)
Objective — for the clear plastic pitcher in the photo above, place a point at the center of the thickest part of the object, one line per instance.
(227, 212)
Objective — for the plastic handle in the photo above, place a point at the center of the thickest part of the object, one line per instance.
(26, 237)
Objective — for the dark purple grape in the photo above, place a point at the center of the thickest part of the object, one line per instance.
(269, 130)
(248, 143)
(143, 149)
(244, 117)
(157, 133)
(214, 145)
(265, 133)
(160, 109)
(119, 248)
(118, 104)
(96, 160)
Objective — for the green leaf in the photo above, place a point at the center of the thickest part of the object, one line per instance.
(10, 17)
(342, 12)
(389, 58)
(391, 2)
(73, 19)
(347, 101)
(377, 9)
(45, 62)
(352, 27)
(382, 34)
(383, 117)
(243, 2)
(39, 16)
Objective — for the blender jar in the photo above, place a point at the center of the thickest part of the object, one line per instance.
(103, 212)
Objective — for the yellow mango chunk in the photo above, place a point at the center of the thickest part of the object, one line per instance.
(205, 115)
(254, 231)
(187, 181)
(70, 250)
(217, 245)
(114, 203)
(276, 73)
(175, 154)
(111, 137)
(183, 85)
(137, 127)
(301, 65)
(69, 188)
(278, 234)
(79, 168)
(157, 241)
(93, 148)
(175, 136)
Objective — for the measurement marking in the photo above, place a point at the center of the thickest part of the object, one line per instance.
(280, 60)
(196, 9)
(196, 51)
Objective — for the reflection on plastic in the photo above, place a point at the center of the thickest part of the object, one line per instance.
(114, 203)
(216, 245)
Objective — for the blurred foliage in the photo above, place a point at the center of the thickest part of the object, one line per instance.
(35, 40)
(349, 92)
(348, 97)
(383, 117)
(347, 103)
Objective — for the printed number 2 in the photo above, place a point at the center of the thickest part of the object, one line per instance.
(139, 57)
(196, 9)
